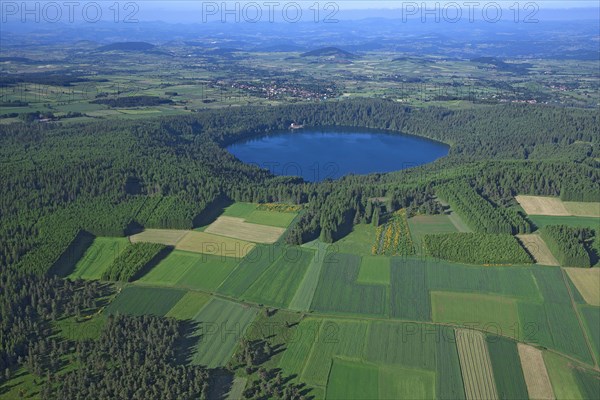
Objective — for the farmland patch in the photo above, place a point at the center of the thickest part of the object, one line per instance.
(238, 228)
(221, 324)
(536, 375)
(189, 305)
(536, 246)
(206, 243)
(427, 224)
(540, 205)
(506, 365)
(98, 257)
(306, 290)
(492, 313)
(353, 380)
(374, 270)
(475, 365)
(168, 237)
(587, 282)
(134, 300)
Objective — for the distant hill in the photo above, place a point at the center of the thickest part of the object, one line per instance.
(329, 52)
(128, 46)
(503, 66)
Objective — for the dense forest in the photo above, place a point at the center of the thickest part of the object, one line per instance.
(568, 244)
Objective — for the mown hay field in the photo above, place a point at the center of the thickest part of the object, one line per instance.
(587, 282)
(238, 228)
(168, 237)
(554, 206)
(476, 365)
(206, 243)
(536, 246)
(189, 305)
(536, 375)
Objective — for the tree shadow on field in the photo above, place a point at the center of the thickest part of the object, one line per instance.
(212, 211)
(187, 342)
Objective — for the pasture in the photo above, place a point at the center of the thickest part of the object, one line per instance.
(536, 375)
(353, 380)
(98, 257)
(587, 282)
(536, 246)
(359, 241)
(206, 243)
(238, 228)
(221, 324)
(476, 365)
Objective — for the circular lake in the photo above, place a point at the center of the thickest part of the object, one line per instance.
(318, 154)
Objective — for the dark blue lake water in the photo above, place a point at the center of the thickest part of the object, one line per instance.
(318, 154)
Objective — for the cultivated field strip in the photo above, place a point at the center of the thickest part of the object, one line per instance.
(238, 228)
(168, 237)
(475, 365)
(536, 375)
(306, 290)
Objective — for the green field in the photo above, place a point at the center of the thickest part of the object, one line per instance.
(306, 290)
(422, 225)
(562, 378)
(374, 270)
(190, 270)
(256, 262)
(409, 291)
(221, 324)
(403, 383)
(353, 380)
(240, 210)
(591, 318)
(506, 365)
(335, 338)
(493, 313)
(338, 291)
(189, 305)
(98, 257)
(135, 300)
(577, 222)
(359, 241)
(271, 218)
(278, 284)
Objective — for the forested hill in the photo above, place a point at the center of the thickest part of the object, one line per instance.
(115, 177)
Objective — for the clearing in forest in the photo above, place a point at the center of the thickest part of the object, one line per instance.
(536, 246)
(587, 281)
(475, 365)
(238, 228)
(536, 375)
